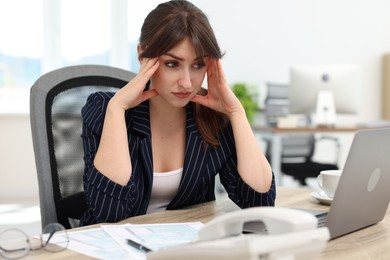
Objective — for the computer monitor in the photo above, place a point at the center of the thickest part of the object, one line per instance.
(325, 90)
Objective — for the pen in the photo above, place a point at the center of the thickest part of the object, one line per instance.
(138, 246)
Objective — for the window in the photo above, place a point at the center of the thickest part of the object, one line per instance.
(85, 32)
(137, 12)
(43, 35)
(21, 42)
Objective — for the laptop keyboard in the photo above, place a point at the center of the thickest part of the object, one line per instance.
(321, 217)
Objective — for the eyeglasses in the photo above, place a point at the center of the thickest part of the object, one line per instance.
(15, 244)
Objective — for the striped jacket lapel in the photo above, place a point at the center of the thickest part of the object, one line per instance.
(141, 125)
(193, 161)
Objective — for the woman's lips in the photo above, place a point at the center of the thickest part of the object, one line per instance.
(182, 94)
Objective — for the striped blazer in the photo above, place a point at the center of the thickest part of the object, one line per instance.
(110, 202)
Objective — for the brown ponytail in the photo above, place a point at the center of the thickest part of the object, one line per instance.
(209, 122)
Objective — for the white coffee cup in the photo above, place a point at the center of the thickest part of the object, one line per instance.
(328, 181)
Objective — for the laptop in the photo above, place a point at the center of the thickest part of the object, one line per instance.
(363, 194)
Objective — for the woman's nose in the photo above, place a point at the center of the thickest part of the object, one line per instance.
(185, 79)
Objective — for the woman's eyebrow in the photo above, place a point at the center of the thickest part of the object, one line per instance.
(174, 56)
(182, 59)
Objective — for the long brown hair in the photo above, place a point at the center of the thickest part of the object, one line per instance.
(167, 25)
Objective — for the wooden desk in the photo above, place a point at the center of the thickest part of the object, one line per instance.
(369, 243)
(275, 135)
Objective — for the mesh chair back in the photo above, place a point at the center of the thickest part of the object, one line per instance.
(56, 101)
(67, 148)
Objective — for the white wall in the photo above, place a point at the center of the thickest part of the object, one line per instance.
(18, 178)
(263, 38)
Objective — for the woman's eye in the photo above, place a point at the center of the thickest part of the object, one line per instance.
(171, 64)
(199, 65)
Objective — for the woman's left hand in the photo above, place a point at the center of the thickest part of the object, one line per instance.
(252, 165)
(220, 97)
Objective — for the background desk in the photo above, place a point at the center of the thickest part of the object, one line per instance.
(369, 243)
(275, 134)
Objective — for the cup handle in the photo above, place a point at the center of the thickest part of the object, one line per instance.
(319, 181)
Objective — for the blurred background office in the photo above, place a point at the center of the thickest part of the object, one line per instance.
(262, 40)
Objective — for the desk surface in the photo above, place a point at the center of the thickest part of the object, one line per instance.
(369, 243)
(306, 129)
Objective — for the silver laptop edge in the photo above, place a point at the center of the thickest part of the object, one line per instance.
(363, 193)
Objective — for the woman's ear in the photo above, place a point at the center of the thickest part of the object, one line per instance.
(139, 51)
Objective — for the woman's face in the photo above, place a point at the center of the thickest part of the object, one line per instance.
(180, 74)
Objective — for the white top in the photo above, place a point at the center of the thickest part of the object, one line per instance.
(165, 185)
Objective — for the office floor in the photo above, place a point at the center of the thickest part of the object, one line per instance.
(25, 214)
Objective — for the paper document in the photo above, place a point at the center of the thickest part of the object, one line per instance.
(109, 241)
(154, 236)
(95, 243)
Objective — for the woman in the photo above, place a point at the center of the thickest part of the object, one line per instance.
(159, 142)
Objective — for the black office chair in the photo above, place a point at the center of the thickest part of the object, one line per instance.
(297, 150)
(297, 156)
(56, 99)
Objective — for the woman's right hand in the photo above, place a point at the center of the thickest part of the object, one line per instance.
(132, 94)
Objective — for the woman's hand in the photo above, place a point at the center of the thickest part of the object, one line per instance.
(252, 165)
(133, 93)
(113, 156)
(220, 97)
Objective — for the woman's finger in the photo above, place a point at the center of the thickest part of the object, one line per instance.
(149, 94)
(220, 72)
(148, 67)
(202, 100)
(211, 72)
